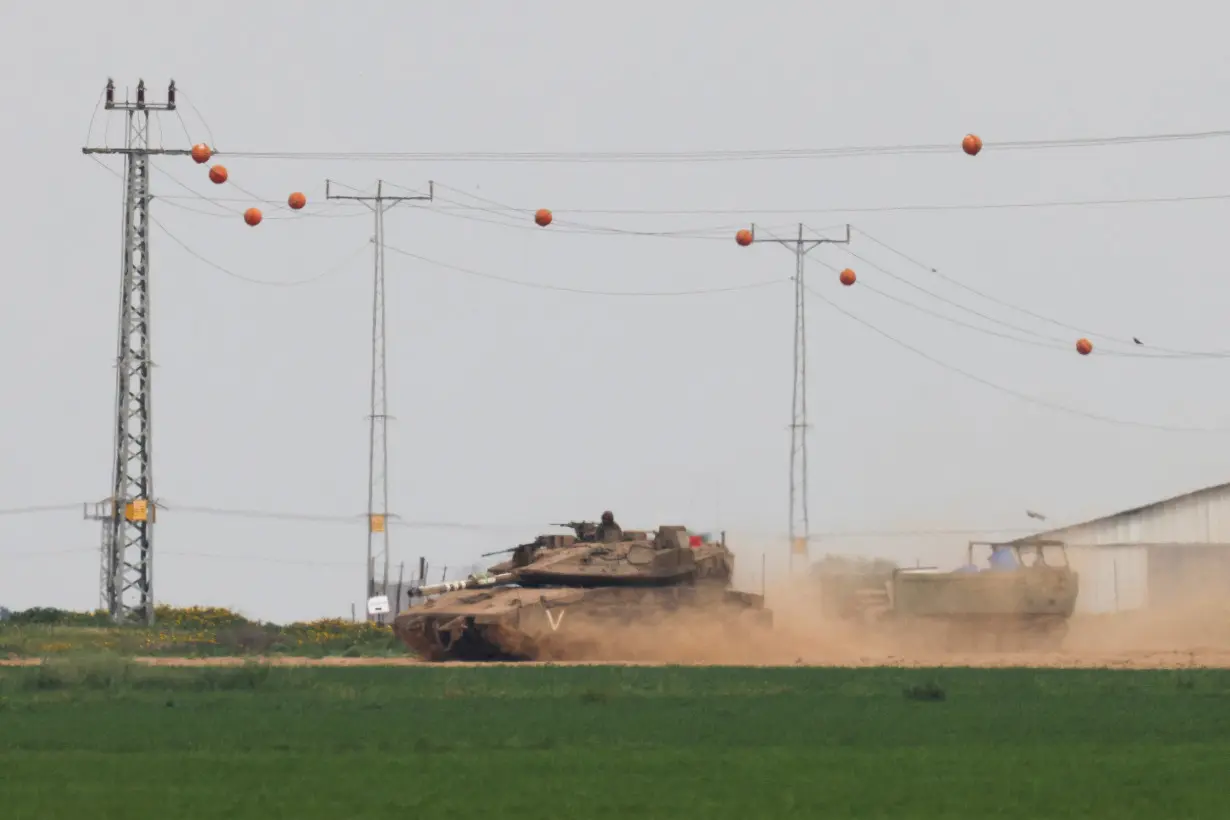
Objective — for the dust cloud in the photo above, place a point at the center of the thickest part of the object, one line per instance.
(1188, 630)
(1191, 633)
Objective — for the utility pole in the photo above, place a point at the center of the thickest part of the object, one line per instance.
(378, 448)
(800, 525)
(126, 580)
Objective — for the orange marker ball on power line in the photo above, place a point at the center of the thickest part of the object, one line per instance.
(743, 237)
(847, 277)
(972, 144)
(201, 153)
(217, 174)
(1084, 347)
(252, 216)
(543, 217)
(296, 200)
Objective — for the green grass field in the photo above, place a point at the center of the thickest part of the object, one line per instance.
(189, 632)
(109, 740)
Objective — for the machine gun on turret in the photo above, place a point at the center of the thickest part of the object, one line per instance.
(586, 531)
(522, 554)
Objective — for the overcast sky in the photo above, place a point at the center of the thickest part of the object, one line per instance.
(517, 406)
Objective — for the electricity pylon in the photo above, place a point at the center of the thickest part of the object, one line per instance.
(378, 447)
(127, 564)
(800, 524)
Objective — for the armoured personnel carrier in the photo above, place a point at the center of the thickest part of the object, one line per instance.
(555, 595)
(1021, 600)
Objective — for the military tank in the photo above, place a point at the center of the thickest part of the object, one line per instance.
(1022, 603)
(556, 594)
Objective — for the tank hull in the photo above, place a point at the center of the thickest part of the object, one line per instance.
(559, 623)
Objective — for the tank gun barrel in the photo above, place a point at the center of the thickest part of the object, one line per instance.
(473, 582)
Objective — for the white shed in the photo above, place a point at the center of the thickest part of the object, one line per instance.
(1152, 555)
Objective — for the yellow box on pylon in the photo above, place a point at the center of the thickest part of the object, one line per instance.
(799, 547)
(137, 510)
(377, 523)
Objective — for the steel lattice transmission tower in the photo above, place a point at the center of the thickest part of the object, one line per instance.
(378, 448)
(127, 565)
(800, 524)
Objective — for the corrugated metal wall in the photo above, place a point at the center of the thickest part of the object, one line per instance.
(1112, 579)
(1188, 574)
(1112, 554)
(1200, 518)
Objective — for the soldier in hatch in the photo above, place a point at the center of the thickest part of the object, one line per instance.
(608, 531)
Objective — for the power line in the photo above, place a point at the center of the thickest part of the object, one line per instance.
(582, 291)
(1168, 352)
(165, 506)
(1045, 340)
(920, 207)
(264, 559)
(247, 557)
(708, 234)
(1007, 390)
(8, 556)
(1040, 340)
(226, 213)
(715, 233)
(924, 532)
(773, 211)
(502, 211)
(39, 508)
(722, 155)
(339, 266)
(267, 514)
(274, 206)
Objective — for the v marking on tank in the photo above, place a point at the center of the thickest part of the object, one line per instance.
(554, 621)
